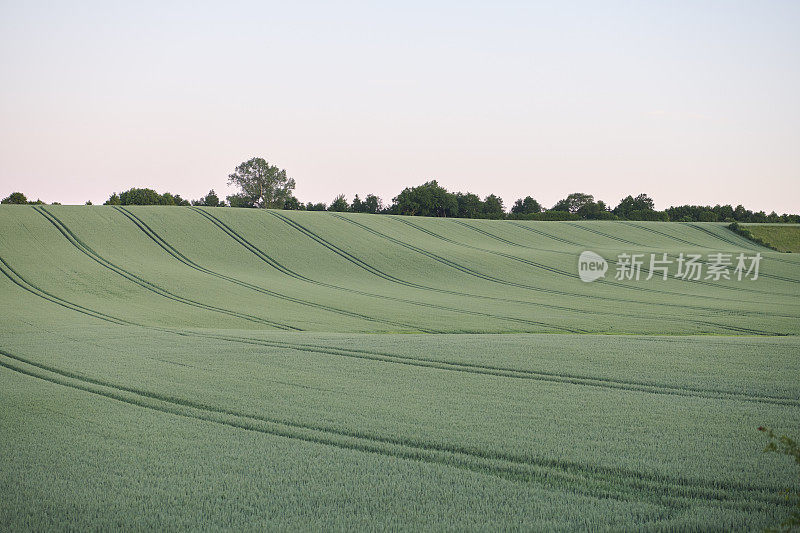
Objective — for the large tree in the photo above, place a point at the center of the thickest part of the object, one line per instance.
(372, 204)
(526, 206)
(493, 207)
(209, 200)
(595, 211)
(14, 198)
(428, 200)
(137, 196)
(469, 205)
(573, 202)
(339, 204)
(630, 205)
(261, 184)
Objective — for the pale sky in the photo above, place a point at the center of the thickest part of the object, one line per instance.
(691, 102)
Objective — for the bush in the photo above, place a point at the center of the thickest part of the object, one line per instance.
(209, 200)
(744, 232)
(339, 204)
(545, 215)
(649, 215)
(113, 200)
(240, 200)
(293, 204)
(14, 198)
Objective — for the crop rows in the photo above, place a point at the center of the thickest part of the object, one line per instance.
(200, 351)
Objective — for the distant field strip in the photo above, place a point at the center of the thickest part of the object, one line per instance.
(783, 237)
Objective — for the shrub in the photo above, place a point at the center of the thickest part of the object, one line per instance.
(14, 198)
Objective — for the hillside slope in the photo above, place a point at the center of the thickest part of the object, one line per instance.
(300, 271)
(783, 237)
(231, 368)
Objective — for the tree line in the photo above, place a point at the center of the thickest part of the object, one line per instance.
(262, 185)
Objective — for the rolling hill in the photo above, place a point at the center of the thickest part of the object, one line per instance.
(218, 367)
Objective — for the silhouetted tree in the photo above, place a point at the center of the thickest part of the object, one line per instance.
(493, 207)
(629, 204)
(573, 202)
(113, 200)
(240, 200)
(724, 212)
(595, 211)
(339, 204)
(357, 206)
(526, 206)
(136, 196)
(372, 204)
(14, 198)
(209, 200)
(428, 199)
(173, 199)
(293, 204)
(261, 184)
(740, 214)
(469, 205)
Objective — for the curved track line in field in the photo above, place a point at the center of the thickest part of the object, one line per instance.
(572, 379)
(19, 281)
(270, 261)
(499, 371)
(344, 253)
(483, 232)
(764, 275)
(172, 251)
(545, 234)
(152, 287)
(606, 235)
(605, 281)
(624, 482)
(469, 271)
(726, 240)
(565, 241)
(247, 244)
(704, 323)
(656, 232)
(752, 246)
(602, 281)
(339, 251)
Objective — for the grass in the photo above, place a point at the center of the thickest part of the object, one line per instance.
(782, 237)
(209, 368)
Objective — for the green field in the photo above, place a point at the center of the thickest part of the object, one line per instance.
(166, 367)
(783, 237)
